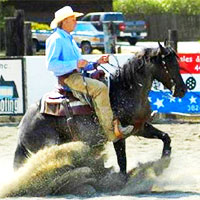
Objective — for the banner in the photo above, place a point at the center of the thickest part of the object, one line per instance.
(11, 87)
(163, 102)
(39, 81)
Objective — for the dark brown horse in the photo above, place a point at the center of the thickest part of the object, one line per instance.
(129, 91)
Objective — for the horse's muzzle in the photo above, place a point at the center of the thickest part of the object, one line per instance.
(180, 91)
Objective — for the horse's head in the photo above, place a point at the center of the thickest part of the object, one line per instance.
(167, 71)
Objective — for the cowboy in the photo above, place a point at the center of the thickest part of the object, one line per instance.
(64, 59)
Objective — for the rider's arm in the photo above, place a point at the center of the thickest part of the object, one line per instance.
(60, 59)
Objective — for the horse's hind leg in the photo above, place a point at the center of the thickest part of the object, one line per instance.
(120, 149)
(152, 132)
(21, 154)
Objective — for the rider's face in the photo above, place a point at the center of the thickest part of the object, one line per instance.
(69, 24)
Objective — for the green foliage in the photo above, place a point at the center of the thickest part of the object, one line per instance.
(136, 6)
(38, 26)
(190, 7)
(6, 11)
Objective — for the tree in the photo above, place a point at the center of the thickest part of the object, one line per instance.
(5, 11)
(182, 7)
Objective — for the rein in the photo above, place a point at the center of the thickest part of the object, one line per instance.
(83, 75)
(128, 72)
(118, 67)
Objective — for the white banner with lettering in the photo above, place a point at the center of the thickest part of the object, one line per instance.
(11, 87)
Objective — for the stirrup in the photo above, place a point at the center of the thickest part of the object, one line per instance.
(121, 132)
(117, 131)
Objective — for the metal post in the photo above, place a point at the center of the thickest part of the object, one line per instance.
(173, 38)
(109, 37)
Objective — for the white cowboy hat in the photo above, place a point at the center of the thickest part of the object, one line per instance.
(62, 14)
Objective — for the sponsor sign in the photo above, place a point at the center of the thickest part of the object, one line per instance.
(161, 99)
(11, 87)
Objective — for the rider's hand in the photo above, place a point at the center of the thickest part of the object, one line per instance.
(103, 59)
(82, 63)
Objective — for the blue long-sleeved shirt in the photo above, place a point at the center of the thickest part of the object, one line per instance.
(62, 53)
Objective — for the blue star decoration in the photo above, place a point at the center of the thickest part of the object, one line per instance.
(159, 103)
(164, 102)
(192, 100)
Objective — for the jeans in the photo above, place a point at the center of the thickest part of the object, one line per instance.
(99, 93)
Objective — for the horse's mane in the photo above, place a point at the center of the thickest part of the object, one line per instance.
(147, 52)
(127, 74)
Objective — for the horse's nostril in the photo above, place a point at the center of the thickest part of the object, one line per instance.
(185, 90)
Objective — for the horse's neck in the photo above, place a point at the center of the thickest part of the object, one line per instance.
(140, 86)
(137, 75)
(129, 97)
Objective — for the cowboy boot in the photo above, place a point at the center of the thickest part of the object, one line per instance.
(121, 132)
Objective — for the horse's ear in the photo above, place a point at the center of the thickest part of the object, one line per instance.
(166, 43)
(161, 47)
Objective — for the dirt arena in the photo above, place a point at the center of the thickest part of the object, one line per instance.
(182, 175)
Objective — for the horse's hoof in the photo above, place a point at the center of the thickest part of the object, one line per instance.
(125, 176)
(166, 153)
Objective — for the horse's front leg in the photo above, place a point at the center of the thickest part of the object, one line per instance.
(152, 132)
(120, 149)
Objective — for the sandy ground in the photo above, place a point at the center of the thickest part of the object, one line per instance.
(182, 175)
(183, 172)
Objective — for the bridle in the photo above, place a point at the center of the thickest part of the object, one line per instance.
(165, 67)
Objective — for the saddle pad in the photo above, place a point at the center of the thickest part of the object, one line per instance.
(53, 103)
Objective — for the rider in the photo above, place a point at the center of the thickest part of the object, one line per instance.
(65, 61)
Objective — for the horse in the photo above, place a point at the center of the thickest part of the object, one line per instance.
(129, 89)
